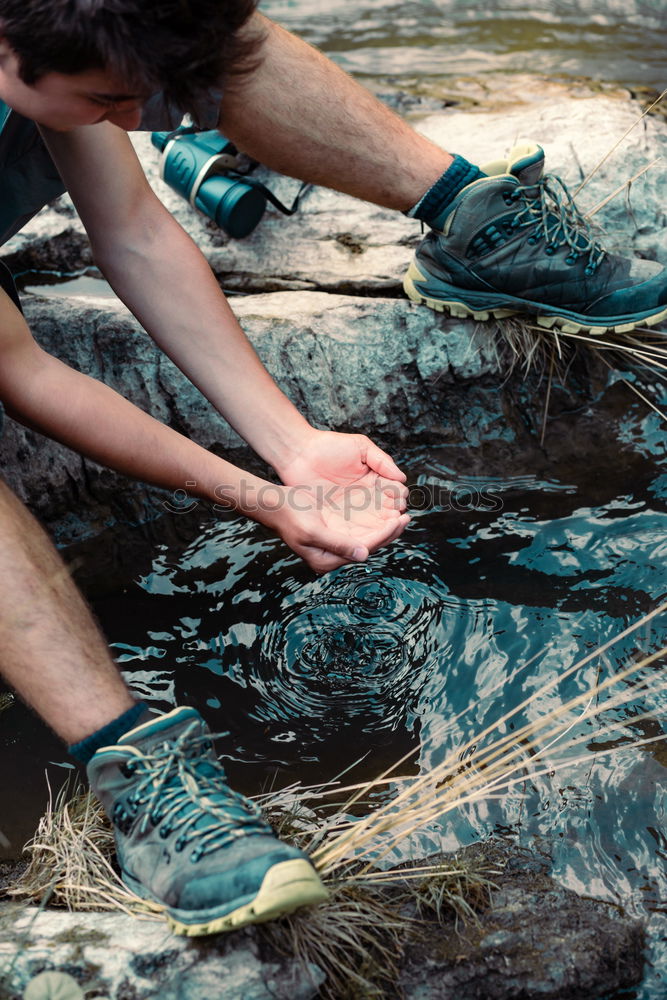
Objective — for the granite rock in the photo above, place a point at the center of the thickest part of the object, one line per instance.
(534, 939)
(139, 959)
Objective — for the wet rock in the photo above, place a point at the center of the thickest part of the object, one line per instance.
(415, 97)
(536, 939)
(123, 958)
(67, 251)
(648, 12)
(10, 870)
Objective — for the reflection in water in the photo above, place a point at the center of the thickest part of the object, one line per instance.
(285, 659)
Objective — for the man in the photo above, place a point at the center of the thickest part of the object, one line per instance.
(185, 840)
(82, 69)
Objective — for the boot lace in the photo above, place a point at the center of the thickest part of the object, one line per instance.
(549, 207)
(179, 791)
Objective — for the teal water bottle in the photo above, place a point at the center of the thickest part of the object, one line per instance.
(200, 166)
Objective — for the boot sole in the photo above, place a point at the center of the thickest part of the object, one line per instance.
(286, 887)
(566, 321)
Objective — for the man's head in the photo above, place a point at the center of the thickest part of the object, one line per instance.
(117, 52)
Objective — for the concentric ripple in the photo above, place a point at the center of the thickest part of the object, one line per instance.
(276, 657)
(355, 649)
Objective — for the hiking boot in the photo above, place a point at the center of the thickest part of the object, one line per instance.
(185, 841)
(514, 242)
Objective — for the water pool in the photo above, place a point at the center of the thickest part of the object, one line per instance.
(308, 675)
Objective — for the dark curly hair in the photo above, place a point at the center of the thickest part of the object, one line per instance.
(180, 47)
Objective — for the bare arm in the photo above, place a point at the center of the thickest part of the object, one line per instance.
(86, 415)
(161, 275)
(157, 270)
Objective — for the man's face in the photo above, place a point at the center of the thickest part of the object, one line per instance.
(63, 101)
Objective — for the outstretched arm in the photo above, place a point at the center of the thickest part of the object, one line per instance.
(157, 270)
(161, 275)
(88, 416)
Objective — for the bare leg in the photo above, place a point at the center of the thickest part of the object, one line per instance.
(51, 651)
(301, 115)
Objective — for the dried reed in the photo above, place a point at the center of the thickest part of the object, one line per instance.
(71, 857)
(355, 938)
(489, 769)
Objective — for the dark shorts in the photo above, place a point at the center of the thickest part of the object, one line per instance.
(8, 286)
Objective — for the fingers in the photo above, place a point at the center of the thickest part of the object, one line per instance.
(341, 550)
(393, 495)
(376, 497)
(325, 562)
(388, 533)
(382, 463)
(348, 549)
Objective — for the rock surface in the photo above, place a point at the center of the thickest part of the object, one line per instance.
(129, 958)
(536, 939)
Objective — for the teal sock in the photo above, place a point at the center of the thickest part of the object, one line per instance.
(109, 734)
(432, 207)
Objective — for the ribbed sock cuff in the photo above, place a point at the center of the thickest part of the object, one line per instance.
(431, 208)
(111, 733)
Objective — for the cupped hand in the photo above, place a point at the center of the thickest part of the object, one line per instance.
(329, 531)
(346, 498)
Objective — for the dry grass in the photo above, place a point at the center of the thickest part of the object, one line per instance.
(71, 858)
(356, 938)
(348, 849)
(451, 888)
(643, 352)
